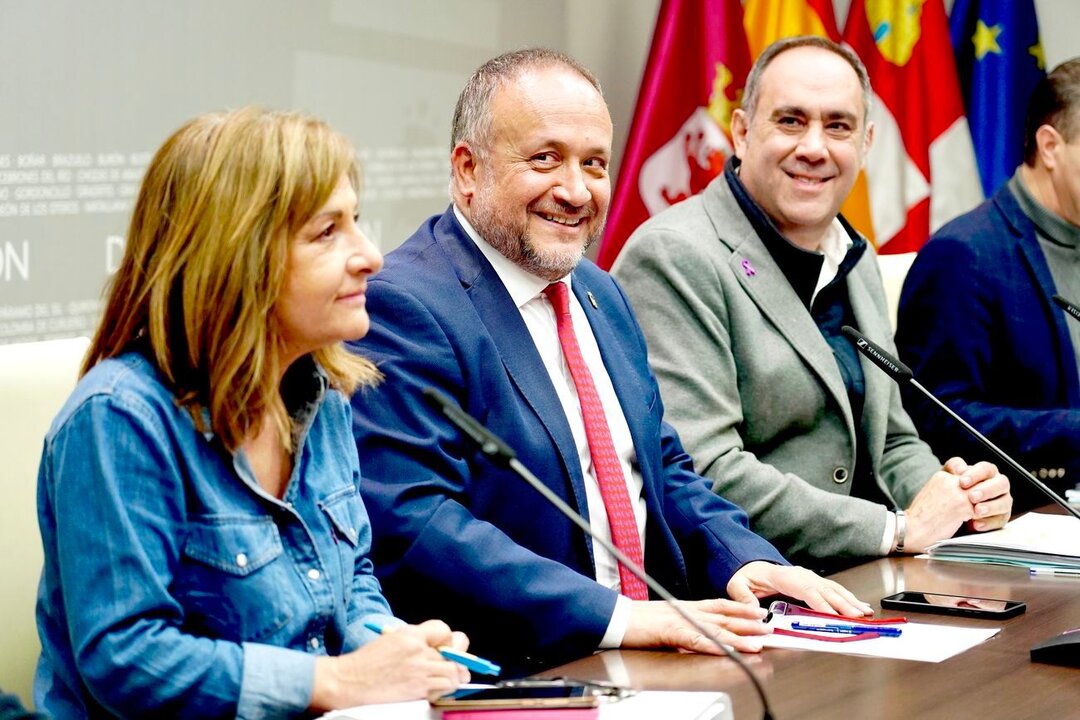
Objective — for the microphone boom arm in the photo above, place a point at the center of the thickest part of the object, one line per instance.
(502, 454)
(901, 373)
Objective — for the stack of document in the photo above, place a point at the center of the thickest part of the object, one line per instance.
(1036, 541)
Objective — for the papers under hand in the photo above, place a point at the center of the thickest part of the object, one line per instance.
(924, 642)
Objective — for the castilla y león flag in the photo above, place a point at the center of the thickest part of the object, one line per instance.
(680, 135)
(921, 170)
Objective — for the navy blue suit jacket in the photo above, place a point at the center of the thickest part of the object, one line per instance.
(978, 327)
(462, 540)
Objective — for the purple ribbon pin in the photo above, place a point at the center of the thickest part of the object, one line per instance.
(748, 268)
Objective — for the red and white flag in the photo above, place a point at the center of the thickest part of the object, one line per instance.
(921, 170)
(680, 135)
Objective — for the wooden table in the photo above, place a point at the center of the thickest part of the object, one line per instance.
(993, 680)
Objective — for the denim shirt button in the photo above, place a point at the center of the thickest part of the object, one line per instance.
(241, 560)
(314, 643)
(314, 574)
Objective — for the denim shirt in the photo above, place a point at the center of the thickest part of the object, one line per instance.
(174, 585)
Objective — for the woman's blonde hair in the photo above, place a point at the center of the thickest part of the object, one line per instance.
(205, 263)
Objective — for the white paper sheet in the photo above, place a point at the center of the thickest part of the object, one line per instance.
(1034, 540)
(924, 642)
(670, 706)
(415, 710)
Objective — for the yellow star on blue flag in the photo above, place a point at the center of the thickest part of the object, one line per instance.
(1036, 51)
(999, 60)
(985, 39)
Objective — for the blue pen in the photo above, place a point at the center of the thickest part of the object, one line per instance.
(472, 662)
(848, 629)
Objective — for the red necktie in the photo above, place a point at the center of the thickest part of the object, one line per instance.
(609, 474)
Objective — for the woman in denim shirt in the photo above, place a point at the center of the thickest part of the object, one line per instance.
(205, 543)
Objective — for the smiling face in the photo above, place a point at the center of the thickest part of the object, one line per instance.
(323, 299)
(538, 189)
(804, 144)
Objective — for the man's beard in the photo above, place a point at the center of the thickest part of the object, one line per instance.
(511, 238)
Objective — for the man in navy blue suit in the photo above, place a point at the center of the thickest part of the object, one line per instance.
(464, 305)
(976, 320)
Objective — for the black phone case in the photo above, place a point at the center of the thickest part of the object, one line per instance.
(893, 604)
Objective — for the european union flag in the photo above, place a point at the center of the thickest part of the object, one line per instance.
(999, 59)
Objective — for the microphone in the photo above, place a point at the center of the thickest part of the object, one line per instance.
(503, 455)
(901, 373)
(1068, 307)
(488, 442)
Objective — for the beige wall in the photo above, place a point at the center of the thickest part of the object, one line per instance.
(90, 89)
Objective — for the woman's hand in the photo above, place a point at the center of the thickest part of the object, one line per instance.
(402, 664)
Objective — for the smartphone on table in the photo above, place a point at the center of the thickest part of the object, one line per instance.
(965, 606)
(502, 698)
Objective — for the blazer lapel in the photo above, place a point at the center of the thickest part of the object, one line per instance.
(765, 284)
(1035, 260)
(517, 351)
(619, 366)
(632, 394)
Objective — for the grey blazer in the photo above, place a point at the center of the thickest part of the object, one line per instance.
(753, 388)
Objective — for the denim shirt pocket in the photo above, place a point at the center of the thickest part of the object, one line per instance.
(345, 511)
(229, 571)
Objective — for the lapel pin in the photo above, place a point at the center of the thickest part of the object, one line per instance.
(592, 300)
(748, 268)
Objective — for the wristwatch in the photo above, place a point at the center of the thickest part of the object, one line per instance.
(901, 530)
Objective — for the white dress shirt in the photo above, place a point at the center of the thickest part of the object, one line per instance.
(526, 291)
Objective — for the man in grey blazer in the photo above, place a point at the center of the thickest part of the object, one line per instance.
(742, 291)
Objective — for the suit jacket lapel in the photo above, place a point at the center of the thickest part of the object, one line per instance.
(1035, 259)
(516, 348)
(633, 396)
(765, 283)
(619, 366)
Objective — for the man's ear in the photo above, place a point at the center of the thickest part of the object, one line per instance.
(463, 162)
(740, 126)
(868, 142)
(1047, 142)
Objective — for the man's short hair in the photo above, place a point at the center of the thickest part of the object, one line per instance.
(753, 80)
(1054, 102)
(472, 116)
